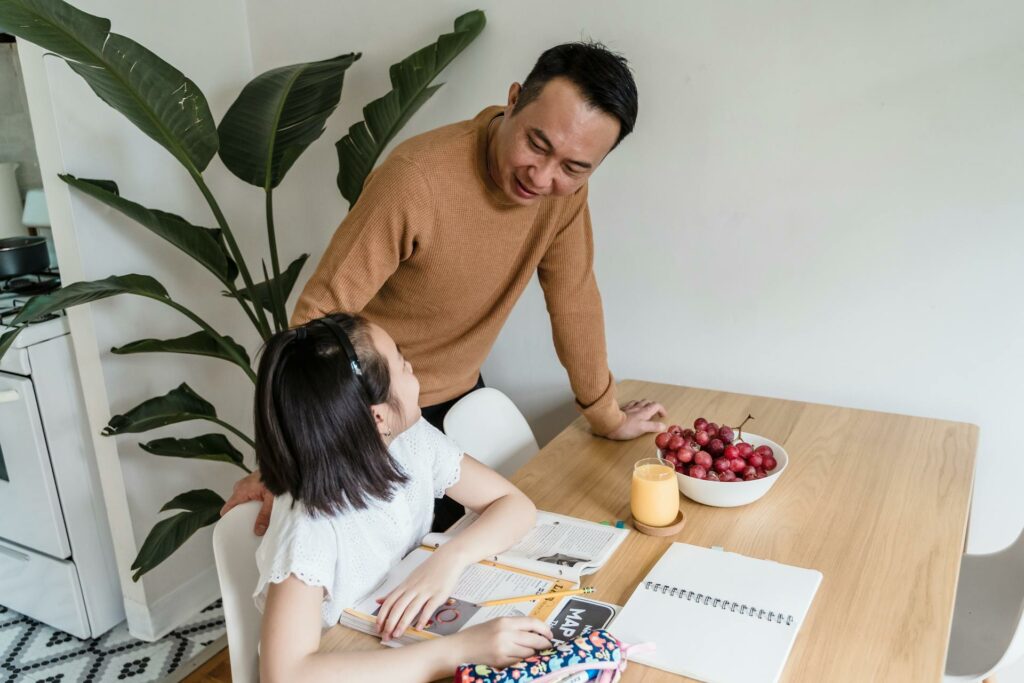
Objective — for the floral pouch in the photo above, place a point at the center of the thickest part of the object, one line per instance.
(594, 655)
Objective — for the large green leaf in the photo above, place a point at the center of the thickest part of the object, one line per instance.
(202, 508)
(86, 292)
(214, 447)
(262, 290)
(202, 244)
(152, 94)
(200, 343)
(410, 81)
(7, 341)
(277, 115)
(178, 405)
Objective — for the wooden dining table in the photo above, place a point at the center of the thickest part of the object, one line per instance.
(877, 502)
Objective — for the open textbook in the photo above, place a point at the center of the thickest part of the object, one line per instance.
(560, 546)
(534, 573)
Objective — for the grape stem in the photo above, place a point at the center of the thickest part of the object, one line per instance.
(739, 430)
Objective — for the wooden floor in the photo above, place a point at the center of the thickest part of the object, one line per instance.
(217, 670)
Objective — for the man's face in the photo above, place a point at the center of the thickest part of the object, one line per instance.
(551, 146)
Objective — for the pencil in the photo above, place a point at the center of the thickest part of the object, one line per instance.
(540, 596)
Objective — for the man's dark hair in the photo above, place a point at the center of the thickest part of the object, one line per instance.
(316, 438)
(602, 76)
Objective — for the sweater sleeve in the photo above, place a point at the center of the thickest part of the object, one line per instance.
(379, 232)
(566, 273)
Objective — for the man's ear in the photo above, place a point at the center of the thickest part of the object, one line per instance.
(514, 91)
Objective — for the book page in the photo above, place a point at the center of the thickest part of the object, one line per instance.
(557, 545)
(479, 583)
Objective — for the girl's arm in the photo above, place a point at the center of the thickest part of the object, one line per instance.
(290, 642)
(506, 514)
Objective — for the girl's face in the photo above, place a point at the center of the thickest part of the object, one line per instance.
(405, 388)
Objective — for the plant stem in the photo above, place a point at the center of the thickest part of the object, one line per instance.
(233, 430)
(263, 327)
(241, 301)
(280, 315)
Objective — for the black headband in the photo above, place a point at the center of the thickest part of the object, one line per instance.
(346, 345)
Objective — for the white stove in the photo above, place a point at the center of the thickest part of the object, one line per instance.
(56, 557)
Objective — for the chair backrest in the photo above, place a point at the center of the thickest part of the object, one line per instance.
(1014, 555)
(234, 551)
(489, 427)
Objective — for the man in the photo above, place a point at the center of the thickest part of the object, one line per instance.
(450, 228)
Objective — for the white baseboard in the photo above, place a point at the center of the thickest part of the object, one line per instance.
(153, 622)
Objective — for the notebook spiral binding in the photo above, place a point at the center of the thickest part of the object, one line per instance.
(711, 601)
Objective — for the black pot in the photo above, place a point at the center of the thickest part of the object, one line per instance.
(23, 255)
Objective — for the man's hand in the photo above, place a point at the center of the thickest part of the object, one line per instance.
(639, 420)
(250, 487)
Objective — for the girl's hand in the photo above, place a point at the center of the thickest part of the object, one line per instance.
(504, 641)
(416, 598)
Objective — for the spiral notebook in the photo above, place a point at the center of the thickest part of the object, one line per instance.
(717, 616)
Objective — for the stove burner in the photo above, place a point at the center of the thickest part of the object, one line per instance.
(16, 291)
(29, 285)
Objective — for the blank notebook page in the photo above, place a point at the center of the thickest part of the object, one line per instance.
(717, 616)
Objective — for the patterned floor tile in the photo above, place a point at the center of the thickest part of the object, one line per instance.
(31, 652)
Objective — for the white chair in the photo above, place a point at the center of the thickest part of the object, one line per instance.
(489, 427)
(234, 551)
(987, 633)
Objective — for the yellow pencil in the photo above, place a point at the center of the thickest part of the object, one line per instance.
(541, 596)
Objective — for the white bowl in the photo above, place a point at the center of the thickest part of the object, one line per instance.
(728, 494)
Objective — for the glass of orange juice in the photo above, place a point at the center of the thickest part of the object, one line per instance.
(655, 496)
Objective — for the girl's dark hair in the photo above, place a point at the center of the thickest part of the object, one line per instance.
(316, 438)
(602, 76)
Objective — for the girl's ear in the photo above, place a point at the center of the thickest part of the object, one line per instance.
(380, 414)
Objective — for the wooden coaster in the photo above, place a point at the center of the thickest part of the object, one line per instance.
(670, 530)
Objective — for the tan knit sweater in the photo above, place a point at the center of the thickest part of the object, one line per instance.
(435, 254)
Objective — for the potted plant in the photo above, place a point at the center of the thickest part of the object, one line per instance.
(273, 120)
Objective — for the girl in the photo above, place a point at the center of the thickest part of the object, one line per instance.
(340, 442)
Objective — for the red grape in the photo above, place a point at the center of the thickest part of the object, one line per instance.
(745, 449)
(702, 458)
(770, 463)
(755, 459)
(675, 429)
(675, 443)
(749, 473)
(687, 433)
(722, 464)
(699, 424)
(661, 440)
(702, 437)
(737, 465)
(685, 455)
(765, 451)
(731, 452)
(698, 472)
(712, 429)
(728, 475)
(671, 459)
(716, 446)
(726, 434)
